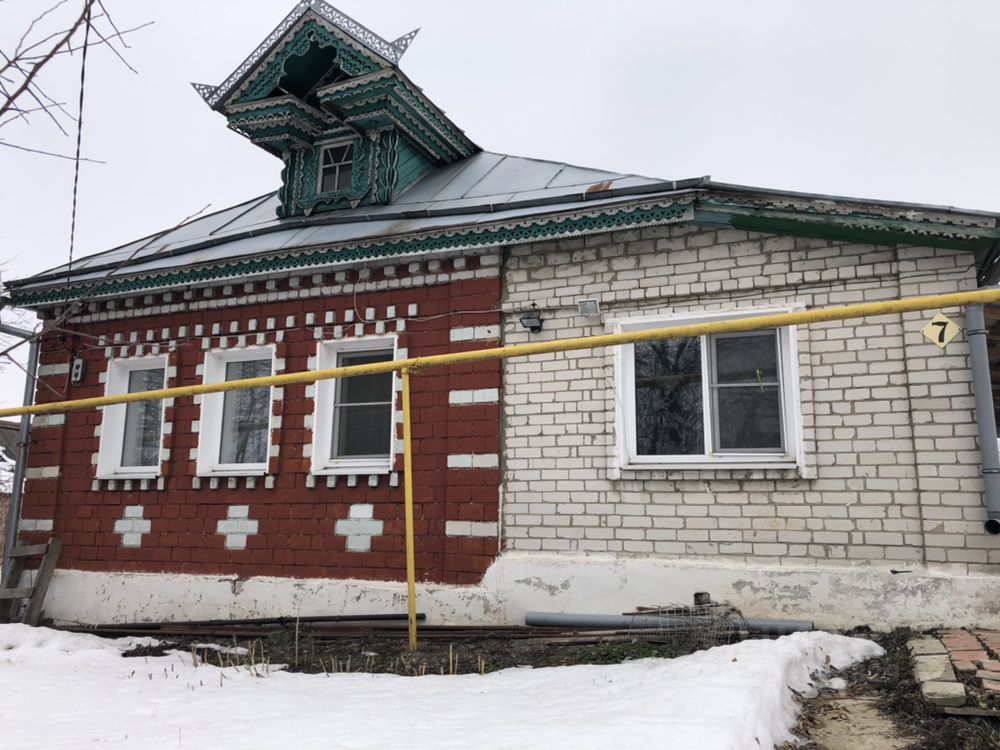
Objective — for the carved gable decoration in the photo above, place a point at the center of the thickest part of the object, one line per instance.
(325, 95)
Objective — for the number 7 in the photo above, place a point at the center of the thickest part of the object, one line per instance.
(944, 327)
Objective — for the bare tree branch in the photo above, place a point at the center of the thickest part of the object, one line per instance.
(48, 153)
(6, 105)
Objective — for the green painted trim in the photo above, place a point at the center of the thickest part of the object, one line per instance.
(263, 82)
(523, 231)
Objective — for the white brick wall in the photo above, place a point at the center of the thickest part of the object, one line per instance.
(890, 474)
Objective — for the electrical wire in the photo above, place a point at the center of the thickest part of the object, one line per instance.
(79, 141)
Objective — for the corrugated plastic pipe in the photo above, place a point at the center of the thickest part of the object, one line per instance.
(651, 622)
(982, 388)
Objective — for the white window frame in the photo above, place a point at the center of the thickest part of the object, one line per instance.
(627, 453)
(326, 390)
(319, 171)
(210, 425)
(109, 455)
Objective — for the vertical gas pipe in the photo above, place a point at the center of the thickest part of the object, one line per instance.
(982, 387)
(411, 587)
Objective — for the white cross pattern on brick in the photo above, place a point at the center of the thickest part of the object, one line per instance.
(237, 526)
(359, 527)
(132, 526)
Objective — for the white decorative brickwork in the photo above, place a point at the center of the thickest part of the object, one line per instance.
(237, 526)
(35, 524)
(359, 527)
(470, 528)
(475, 333)
(889, 475)
(342, 285)
(42, 472)
(132, 526)
(473, 461)
(477, 396)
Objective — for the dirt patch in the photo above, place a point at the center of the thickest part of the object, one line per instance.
(391, 654)
(854, 724)
(890, 682)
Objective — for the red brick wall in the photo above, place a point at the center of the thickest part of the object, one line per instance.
(296, 522)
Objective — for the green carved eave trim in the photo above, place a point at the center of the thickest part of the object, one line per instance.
(352, 61)
(542, 228)
(392, 113)
(384, 99)
(865, 229)
(296, 123)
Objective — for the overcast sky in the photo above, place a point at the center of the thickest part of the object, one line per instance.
(891, 99)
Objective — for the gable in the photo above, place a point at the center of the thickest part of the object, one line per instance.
(321, 81)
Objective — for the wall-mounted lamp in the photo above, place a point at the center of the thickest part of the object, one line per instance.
(532, 320)
(589, 308)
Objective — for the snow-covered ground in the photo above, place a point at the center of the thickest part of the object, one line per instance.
(62, 690)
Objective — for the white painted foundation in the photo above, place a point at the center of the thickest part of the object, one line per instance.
(521, 582)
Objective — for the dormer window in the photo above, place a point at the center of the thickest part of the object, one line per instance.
(336, 167)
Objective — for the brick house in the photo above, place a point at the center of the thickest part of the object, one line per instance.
(793, 471)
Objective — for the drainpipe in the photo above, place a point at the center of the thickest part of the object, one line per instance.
(982, 387)
(21, 464)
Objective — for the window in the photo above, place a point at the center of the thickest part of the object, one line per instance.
(354, 417)
(131, 433)
(708, 400)
(235, 430)
(336, 167)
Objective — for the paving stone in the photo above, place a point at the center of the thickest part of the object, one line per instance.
(925, 646)
(968, 655)
(987, 674)
(963, 666)
(932, 668)
(991, 685)
(962, 644)
(944, 693)
(991, 664)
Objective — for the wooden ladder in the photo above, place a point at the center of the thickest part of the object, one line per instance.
(11, 595)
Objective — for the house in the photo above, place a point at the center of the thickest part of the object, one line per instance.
(829, 471)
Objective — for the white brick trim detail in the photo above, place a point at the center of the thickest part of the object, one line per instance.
(132, 525)
(473, 461)
(48, 420)
(35, 524)
(42, 472)
(359, 527)
(471, 528)
(474, 333)
(237, 526)
(476, 396)
(60, 368)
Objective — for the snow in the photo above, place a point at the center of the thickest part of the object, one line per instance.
(65, 690)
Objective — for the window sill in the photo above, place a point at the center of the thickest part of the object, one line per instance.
(122, 476)
(249, 471)
(347, 468)
(737, 465)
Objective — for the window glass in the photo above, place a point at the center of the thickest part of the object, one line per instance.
(245, 415)
(141, 436)
(336, 168)
(669, 416)
(747, 358)
(747, 392)
(722, 397)
(362, 409)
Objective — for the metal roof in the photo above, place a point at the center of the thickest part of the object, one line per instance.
(488, 199)
(485, 186)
